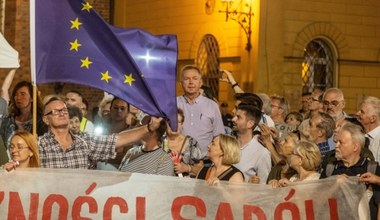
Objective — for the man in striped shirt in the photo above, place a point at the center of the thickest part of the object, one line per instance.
(149, 158)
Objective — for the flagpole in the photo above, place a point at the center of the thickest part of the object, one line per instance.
(33, 62)
(35, 111)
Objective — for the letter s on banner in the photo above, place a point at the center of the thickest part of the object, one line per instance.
(77, 206)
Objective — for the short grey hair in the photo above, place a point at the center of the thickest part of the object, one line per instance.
(356, 132)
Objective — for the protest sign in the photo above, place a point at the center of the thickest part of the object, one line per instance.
(86, 194)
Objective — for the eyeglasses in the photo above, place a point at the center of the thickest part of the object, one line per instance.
(334, 103)
(18, 147)
(63, 111)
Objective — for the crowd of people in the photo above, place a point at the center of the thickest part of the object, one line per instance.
(260, 142)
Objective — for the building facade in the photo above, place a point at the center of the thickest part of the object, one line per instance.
(296, 45)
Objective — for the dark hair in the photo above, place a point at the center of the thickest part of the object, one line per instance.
(117, 98)
(76, 92)
(75, 112)
(251, 112)
(85, 102)
(161, 130)
(13, 109)
(355, 122)
(250, 99)
(207, 91)
(224, 104)
(180, 112)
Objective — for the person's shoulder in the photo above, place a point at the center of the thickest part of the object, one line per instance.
(181, 98)
(255, 143)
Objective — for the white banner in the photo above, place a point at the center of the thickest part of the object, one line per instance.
(84, 194)
(8, 55)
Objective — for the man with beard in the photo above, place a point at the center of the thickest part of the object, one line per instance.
(333, 104)
(255, 159)
(59, 148)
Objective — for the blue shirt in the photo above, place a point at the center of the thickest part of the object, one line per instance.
(203, 120)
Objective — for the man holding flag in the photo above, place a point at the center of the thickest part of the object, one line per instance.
(61, 149)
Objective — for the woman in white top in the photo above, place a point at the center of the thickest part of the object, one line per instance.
(305, 159)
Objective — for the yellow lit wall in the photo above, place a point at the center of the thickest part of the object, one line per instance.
(189, 21)
(280, 31)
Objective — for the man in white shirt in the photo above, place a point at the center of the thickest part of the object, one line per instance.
(369, 116)
(255, 159)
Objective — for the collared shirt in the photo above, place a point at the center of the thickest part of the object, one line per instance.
(203, 120)
(355, 170)
(374, 142)
(254, 160)
(84, 150)
(324, 148)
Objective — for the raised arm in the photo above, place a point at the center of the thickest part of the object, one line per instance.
(231, 80)
(131, 136)
(7, 84)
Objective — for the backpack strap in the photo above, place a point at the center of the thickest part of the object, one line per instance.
(329, 169)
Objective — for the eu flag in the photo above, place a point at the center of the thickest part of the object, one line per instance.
(74, 44)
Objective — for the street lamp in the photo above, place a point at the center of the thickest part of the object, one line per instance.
(242, 14)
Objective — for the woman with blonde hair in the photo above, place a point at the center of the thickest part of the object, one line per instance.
(305, 159)
(23, 151)
(223, 151)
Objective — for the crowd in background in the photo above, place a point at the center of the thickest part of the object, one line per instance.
(260, 142)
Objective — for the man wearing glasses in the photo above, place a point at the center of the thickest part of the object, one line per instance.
(59, 148)
(333, 104)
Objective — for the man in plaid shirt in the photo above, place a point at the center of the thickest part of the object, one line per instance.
(59, 148)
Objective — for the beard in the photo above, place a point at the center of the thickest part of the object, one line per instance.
(338, 155)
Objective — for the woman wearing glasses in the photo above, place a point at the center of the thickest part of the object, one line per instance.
(23, 151)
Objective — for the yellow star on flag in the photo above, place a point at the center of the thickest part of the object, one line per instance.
(75, 45)
(129, 79)
(105, 76)
(86, 6)
(75, 24)
(86, 63)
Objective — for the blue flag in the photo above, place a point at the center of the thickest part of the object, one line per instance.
(73, 44)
